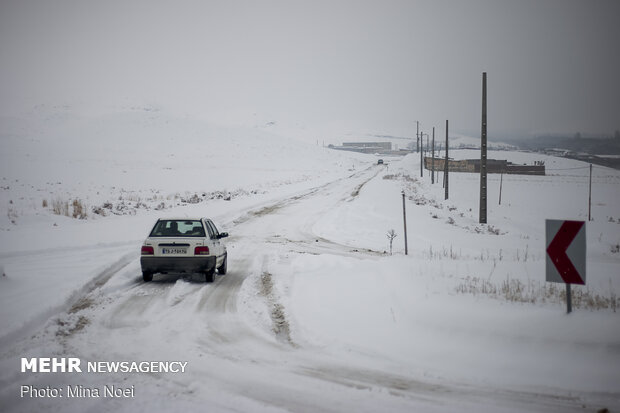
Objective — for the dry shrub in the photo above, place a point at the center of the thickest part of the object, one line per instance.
(60, 207)
(79, 210)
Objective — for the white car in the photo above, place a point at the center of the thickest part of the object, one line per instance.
(184, 245)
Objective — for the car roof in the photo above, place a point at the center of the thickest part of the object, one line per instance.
(180, 219)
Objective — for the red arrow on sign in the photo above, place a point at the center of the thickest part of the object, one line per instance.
(557, 252)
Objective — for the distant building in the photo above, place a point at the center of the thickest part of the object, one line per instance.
(373, 148)
(493, 166)
(365, 147)
(384, 146)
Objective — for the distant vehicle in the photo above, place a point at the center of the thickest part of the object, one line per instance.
(184, 245)
(380, 162)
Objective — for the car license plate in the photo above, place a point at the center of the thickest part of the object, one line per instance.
(174, 251)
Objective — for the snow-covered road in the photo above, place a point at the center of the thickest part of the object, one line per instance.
(246, 345)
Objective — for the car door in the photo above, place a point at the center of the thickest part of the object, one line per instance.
(221, 244)
(215, 240)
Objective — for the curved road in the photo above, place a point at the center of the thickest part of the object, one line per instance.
(234, 362)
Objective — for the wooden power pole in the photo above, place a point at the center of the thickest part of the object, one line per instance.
(405, 222)
(445, 166)
(590, 197)
(483, 153)
(433, 159)
(417, 135)
(421, 155)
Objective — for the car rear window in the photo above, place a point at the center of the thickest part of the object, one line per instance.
(178, 228)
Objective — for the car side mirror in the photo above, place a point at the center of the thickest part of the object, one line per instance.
(223, 235)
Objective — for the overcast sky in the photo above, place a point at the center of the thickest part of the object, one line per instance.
(553, 65)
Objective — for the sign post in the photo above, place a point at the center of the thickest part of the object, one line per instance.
(405, 221)
(566, 254)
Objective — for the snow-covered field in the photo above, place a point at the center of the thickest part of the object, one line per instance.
(314, 314)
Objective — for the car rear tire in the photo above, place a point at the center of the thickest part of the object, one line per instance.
(209, 275)
(223, 268)
(147, 276)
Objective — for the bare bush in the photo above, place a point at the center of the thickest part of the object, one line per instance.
(399, 176)
(194, 199)
(492, 230)
(391, 235)
(79, 210)
(60, 207)
(99, 211)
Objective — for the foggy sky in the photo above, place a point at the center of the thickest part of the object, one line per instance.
(553, 65)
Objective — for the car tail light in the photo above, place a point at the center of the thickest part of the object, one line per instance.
(201, 251)
(146, 250)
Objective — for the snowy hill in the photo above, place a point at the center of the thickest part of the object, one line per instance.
(146, 156)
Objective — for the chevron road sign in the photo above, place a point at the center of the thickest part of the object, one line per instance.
(566, 254)
(566, 251)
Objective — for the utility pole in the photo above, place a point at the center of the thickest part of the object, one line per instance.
(433, 159)
(422, 154)
(501, 181)
(405, 221)
(483, 153)
(417, 135)
(445, 167)
(590, 197)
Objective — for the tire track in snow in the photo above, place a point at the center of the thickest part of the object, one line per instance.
(73, 320)
(277, 313)
(307, 242)
(77, 301)
(462, 396)
(272, 207)
(358, 188)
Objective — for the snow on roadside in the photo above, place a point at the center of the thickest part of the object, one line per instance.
(470, 302)
(392, 310)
